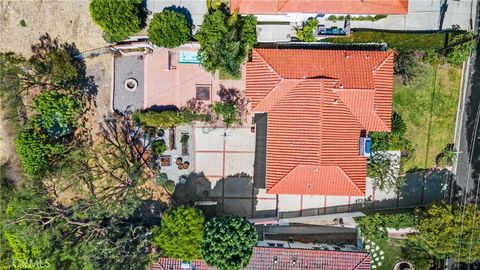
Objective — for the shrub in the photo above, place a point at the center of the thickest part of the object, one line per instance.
(405, 65)
(34, 150)
(159, 119)
(232, 106)
(118, 19)
(23, 23)
(57, 109)
(460, 48)
(227, 111)
(227, 242)
(169, 29)
(307, 31)
(158, 147)
(374, 227)
(357, 18)
(225, 41)
(180, 233)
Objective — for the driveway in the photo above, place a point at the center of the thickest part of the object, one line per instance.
(426, 15)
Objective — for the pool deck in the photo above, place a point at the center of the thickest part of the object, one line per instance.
(174, 86)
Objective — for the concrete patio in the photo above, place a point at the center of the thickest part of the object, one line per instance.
(171, 83)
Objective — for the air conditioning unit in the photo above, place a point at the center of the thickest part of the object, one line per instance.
(365, 146)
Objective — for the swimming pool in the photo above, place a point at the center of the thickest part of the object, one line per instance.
(188, 57)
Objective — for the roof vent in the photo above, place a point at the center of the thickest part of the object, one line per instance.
(367, 56)
(275, 260)
(347, 55)
(335, 101)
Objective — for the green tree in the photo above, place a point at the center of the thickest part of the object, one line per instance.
(448, 232)
(34, 149)
(460, 48)
(169, 29)
(227, 242)
(180, 233)
(374, 227)
(307, 31)
(57, 109)
(225, 41)
(118, 19)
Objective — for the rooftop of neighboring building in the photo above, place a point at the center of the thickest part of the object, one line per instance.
(283, 258)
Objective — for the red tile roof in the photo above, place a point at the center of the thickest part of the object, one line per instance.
(319, 102)
(320, 6)
(263, 258)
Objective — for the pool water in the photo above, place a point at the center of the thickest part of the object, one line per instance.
(188, 57)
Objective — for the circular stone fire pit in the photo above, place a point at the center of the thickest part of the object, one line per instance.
(131, 84)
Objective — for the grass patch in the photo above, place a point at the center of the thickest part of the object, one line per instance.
(23, 23)
(393, 253)
(222, 75)
(428, 105)
(395, 40)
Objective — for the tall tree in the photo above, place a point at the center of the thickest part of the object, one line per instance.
(118, 19)
(169, 29)
(228, 242)
(225, 40)
(449, 232)
(180, 233)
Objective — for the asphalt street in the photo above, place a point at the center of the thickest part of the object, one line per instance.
(468, 166)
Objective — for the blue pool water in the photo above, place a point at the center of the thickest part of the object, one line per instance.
(188, 57)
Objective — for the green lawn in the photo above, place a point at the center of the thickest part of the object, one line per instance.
(428, 106)
(393, 253)
(394, 40)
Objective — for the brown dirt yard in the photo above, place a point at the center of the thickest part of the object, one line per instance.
(68, 20)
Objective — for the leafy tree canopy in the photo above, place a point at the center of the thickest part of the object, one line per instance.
(180, 233)
(34, 149)
(227, 242)
(445, 231)
(307, 31)
(460, 48)
(118, 19)
(57, 109)
(374, 227)
(169, 29)
(225, 40)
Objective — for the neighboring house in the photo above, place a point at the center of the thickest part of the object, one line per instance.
(358, 7)
(318, 104)
(278, 18)
(283, 258)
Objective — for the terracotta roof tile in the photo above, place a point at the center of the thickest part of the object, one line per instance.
(283, 258)
(320, 6)
(317, 115)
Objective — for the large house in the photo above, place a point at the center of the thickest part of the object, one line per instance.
(283, 258)
(314, 109)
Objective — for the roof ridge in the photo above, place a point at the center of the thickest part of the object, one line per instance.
(380, 65)
(267, 63)
(349, 178)
(280, 78)
(367, 255)
(334, 91)
(274, 90)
